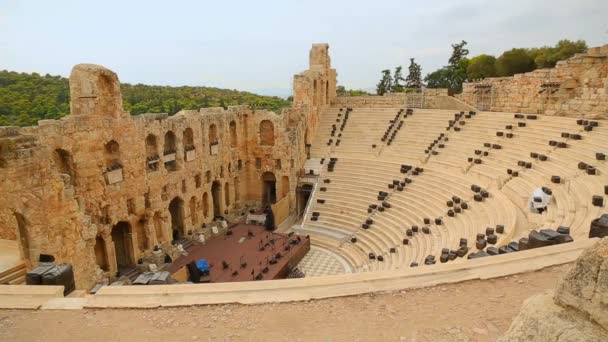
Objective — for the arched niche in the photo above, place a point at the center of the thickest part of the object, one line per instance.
(266, 133)
(233, 139)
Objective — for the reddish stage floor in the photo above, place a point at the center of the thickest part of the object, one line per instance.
(239, 247)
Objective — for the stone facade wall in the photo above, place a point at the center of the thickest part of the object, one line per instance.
(99, 187)
(576, 87)
(431, 99)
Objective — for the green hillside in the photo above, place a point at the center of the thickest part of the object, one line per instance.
(26, 98)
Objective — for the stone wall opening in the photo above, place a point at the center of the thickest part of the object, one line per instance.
(233, 141)
(269, 188)
(227, 194)
(123, 245)
(266, 133)
(216, 189)
(112, 155)
(63, 163)
(213, 139)
(101, 255)
(205, 205)
(304, 193)
(188, 139)
(176, 210)
(194, 210)
(314, 93)
(170, 151)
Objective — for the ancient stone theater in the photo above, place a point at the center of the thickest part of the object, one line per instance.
(342, 194)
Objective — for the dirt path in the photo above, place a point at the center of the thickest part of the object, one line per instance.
(469, 311)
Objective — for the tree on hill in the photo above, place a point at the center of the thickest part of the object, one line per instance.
(414, 76)
(514, 61)
(27, 98)
(481, 66)
(385, 84)
(454, 74)
(397, 80)
(547, 56)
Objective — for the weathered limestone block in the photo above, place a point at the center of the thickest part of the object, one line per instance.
(585, 287)
(540, 319)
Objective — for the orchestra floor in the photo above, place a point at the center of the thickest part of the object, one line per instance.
(477, 310)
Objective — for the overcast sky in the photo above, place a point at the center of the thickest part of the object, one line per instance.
(259, 45)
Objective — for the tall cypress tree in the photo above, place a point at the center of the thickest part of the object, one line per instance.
(385, 84)
(414, 78)
(397, 79)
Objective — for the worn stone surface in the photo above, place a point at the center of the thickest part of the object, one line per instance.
(100, 188)
(576, 87)
(585, 286)
(540, 319)
(576, 311)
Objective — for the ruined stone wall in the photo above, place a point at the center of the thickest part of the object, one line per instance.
(100, 188)
(430, 99)
(576, 87)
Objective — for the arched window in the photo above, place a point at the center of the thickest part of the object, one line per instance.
(152, 157)
(233, 141)
(169, 151)
(266, 133)
(213, 140)
(188, 139)
(112, 155)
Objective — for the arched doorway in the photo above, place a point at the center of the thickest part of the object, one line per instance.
(269, 188)
(205, 205)
(216, 189)
(123, 248)
(176, 209)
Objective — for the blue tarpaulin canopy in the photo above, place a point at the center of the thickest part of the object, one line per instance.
(202, 265)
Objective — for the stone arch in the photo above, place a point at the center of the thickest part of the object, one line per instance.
(151, 146)
(123, 245)
(205, 205)
(233, 140)
(176, 210)
(227, 194)
(194, 210)
(284, 186)
(188, 139)
(213, 137)
(267, 133)
(101, 254)
(112, 154)
(269, 188)
(170, 148)
(95, 90)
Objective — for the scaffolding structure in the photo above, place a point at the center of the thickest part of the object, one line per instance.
(484, 94)
(547, 93)
(415, 99)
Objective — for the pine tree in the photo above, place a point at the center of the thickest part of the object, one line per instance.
(397, 79)
(385, 84)
(414, 78)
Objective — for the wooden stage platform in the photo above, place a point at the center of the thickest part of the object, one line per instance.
(251, 253)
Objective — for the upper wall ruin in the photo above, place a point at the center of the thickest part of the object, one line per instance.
(576, 87)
